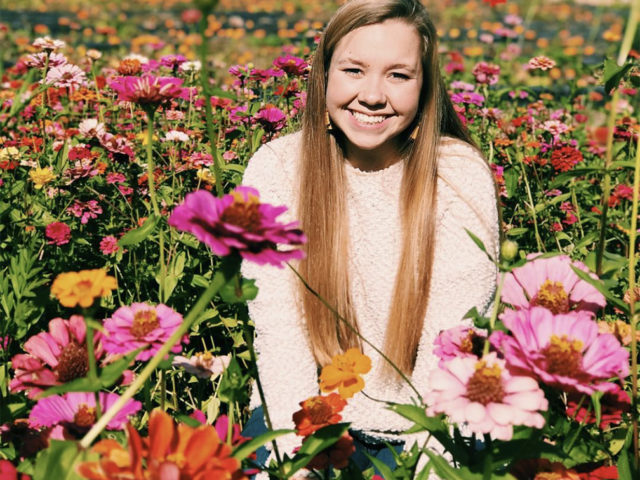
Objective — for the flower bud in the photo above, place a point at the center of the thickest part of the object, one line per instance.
(509, 250)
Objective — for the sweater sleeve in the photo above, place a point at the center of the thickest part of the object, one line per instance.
(286, 367)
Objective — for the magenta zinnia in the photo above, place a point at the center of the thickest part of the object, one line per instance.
(551, 283)
(238, 222)
(458, 341)
(485, 396)
(53, 357)
(147, 90)
(72, 414)
(141, 325)
(564, 351)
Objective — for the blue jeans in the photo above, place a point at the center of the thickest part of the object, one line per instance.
(256, 426)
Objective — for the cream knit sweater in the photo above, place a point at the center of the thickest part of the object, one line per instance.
(463, 278)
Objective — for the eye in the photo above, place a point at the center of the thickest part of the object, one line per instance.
(352, 71)
(399, 76)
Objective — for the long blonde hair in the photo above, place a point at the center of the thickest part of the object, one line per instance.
(322, 199)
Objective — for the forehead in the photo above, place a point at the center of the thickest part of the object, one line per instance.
(393, 40)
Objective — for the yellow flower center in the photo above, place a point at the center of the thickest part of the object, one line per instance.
(485, 385)
(552, 296)
(472, 343)
(73, 363)
(564, 357)
(204, 360)
(178, 459)
(318, 410)
(243, 214)
(85, 416)
(144, 321)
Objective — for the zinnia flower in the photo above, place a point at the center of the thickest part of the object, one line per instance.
(66, 75)
(272, 119)
(58, 233)
(564, 350)
(565, 158)
(74, 413)
(458, 341)
(48, 43)
(551, 283)
(41, 176)
(53, 357)
(83, 287)
(203, 365)
(238, 222)
(486, 73)
(613, 404)
(541, 63)
(318, 412)
(146, 90)
(337, 455)
(485, 396)
(109, 245)
(91, 127)
(168, 452)
(344, 373)
(292, 65)
(141, 325)
(542, 469)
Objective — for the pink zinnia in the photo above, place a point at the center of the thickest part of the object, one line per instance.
(541, 63)
(292, 65)
(141, 325)
(147, 90)
(486, 73)
(72, 414)
(485, 396)
(238, 222)
(458, 341)
(53, 357)
(58, 233)
(66, 75)
(564, 351)
(551, 283)
(272, 119)
(109, 245)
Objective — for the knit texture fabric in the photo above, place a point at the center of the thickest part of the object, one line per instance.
(462, 277)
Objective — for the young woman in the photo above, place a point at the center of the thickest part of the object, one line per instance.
(384, 180)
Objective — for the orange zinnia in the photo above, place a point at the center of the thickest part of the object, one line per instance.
(344, 373)
(170, 451)
(318, 412)
(83, 287)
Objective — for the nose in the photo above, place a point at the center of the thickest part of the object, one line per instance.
(372, 93)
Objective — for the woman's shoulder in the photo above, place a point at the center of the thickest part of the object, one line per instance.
(460, 163)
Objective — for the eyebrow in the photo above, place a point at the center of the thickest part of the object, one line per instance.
(395, 66)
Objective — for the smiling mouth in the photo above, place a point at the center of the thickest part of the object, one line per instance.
(368, 119)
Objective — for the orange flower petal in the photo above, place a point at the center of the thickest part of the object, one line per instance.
(161, 433)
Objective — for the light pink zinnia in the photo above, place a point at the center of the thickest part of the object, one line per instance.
(66, 75)
(109, 245)
(203, 365)
(73, 413)
(485, 396)
(458, 341)
(146, 90)
(53, 357)
(238, 222)
(551, 283)
(541, 63)
(564, 351)
(141, 325)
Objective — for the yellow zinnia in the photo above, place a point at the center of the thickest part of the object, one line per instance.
(9, 153)
(41, 176)
(83, 287)
(344, 373)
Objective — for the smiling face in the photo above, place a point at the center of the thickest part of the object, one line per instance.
(373, 90)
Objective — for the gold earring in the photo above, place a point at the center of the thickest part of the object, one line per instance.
(414, 134)
(327, 121)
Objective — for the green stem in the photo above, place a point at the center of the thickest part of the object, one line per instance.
(494, 313)
(632, 304)
(93, 371)
(629, 32)
(355, 330)
(228, 268)
(154, 202)
(532, 207)
(204, 82)
(606, 183)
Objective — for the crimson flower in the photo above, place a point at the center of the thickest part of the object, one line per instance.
(238, 222)
(147, 90)
(58, 233)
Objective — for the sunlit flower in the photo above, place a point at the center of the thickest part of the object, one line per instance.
(170, 451)
(189, 67)
(318, 412)
(48, 43)
(292, 65)
(146, 90)
(343, 373)
(205, 175)
(486, 73)
(58, 233)
(541, 63)
(91, 127)
(67, 75)
(238, 222)
(129, 66)
(483, 395)
(83, 287)
(203, 365)
(620, 329)
(41, 176)
(141, 325)
(74, 413)
(272, 119)
(551, 283)
(458, 341)
(53, 357)
(176, 136)
(39, 60)
(564, 350)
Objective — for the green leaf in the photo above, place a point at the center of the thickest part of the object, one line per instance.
(83, 384)
(382, 467)
(233, 383)
(599, 285)
(418, 415)
(113, 371)
(516, 232)
(614, 73)
(230, 292)
(479, 243)
(133, 237)
(624, 466)
(57, 461)
(511, 177)
(243, 450)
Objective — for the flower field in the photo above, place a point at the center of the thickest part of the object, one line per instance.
(126, 347)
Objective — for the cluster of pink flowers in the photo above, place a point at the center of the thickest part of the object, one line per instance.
(85, 210)
(552, 340)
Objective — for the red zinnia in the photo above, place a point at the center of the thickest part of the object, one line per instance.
(565, 158)
(58, 233)
(318, 412)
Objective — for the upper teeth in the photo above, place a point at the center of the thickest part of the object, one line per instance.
(361, 117)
